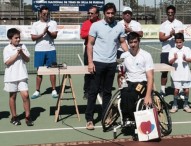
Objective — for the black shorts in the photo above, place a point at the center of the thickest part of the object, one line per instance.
(164, 58)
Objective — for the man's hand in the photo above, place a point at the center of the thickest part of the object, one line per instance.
(184, 57)
(147, 100)
(91, 68)
(127, 28)
(172, 32)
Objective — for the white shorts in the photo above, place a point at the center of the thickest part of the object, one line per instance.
(182, 84)
(16, 86)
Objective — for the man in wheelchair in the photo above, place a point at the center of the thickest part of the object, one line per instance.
(137, 70)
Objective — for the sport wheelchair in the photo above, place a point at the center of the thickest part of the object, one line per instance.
(113, 116)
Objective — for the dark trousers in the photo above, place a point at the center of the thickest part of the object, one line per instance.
(86, 76)
(105, 73)
(128, 103)
(129, 98)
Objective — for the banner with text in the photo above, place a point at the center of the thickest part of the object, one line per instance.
(72, 32)
(63, 5)
(65, 32)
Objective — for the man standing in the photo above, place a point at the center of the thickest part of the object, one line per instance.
(44, 32)
(129, 25)
(166, 36)
(93, 16)
(104, 37)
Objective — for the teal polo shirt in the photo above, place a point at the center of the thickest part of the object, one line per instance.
(106, 40)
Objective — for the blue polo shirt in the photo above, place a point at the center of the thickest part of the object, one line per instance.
(106, 40)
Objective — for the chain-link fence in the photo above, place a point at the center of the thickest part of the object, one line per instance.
(10, 15)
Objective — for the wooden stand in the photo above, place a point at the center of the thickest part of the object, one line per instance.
(66, 76)
(61, 97)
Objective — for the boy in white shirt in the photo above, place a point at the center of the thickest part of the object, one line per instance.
(15, 56)
(179, 57)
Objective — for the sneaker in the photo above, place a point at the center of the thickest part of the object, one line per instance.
(54, 94)
(35, 95)
(174, 109)
(15, 121)
(181, 95)
(90, 125)
(29, 121)
(85, 97)
(187, 109)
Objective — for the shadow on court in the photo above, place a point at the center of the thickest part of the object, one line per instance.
(67, 111)
(4, 114)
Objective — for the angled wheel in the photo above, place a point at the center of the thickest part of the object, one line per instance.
(163, 114)
(112, 112)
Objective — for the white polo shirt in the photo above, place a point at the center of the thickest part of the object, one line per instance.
(16, 71)
(166, 27)
(137, 66)
(46, 43)
(134, 25)
(182, 70)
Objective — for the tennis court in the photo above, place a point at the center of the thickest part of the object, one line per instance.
(68, 128)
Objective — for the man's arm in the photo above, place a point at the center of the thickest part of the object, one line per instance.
(91, 41)
(140, 33)
(124, 44)
(163, 38)
(35, 37)
(84, 31)
(52, 34)
(150, 80)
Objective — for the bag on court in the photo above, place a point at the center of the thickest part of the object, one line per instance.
(147, 124)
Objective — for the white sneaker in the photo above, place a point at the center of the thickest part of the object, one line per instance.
(54, 94)
(174, 109)
(187, 109)
(35, 95)
(182, 97)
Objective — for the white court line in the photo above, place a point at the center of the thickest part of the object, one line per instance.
(42, 130)
(59, 129)
(80, 59)
(153, 47)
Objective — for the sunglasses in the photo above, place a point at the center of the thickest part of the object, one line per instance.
(90, 13)
(45, 14)
(170, 12)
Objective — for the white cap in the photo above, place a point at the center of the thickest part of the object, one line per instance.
(127, 9)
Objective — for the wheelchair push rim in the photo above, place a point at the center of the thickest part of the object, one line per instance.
(111, 113)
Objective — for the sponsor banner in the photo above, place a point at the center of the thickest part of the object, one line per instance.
(65, 32)
(151, 31)
(56, 5)
(72, 32)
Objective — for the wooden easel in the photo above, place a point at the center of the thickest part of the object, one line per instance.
(60, 98)
(71, 70)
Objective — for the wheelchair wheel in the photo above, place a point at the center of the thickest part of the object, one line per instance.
(163, 114)
(112, 112)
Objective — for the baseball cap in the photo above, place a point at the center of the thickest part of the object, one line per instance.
(127, 9)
